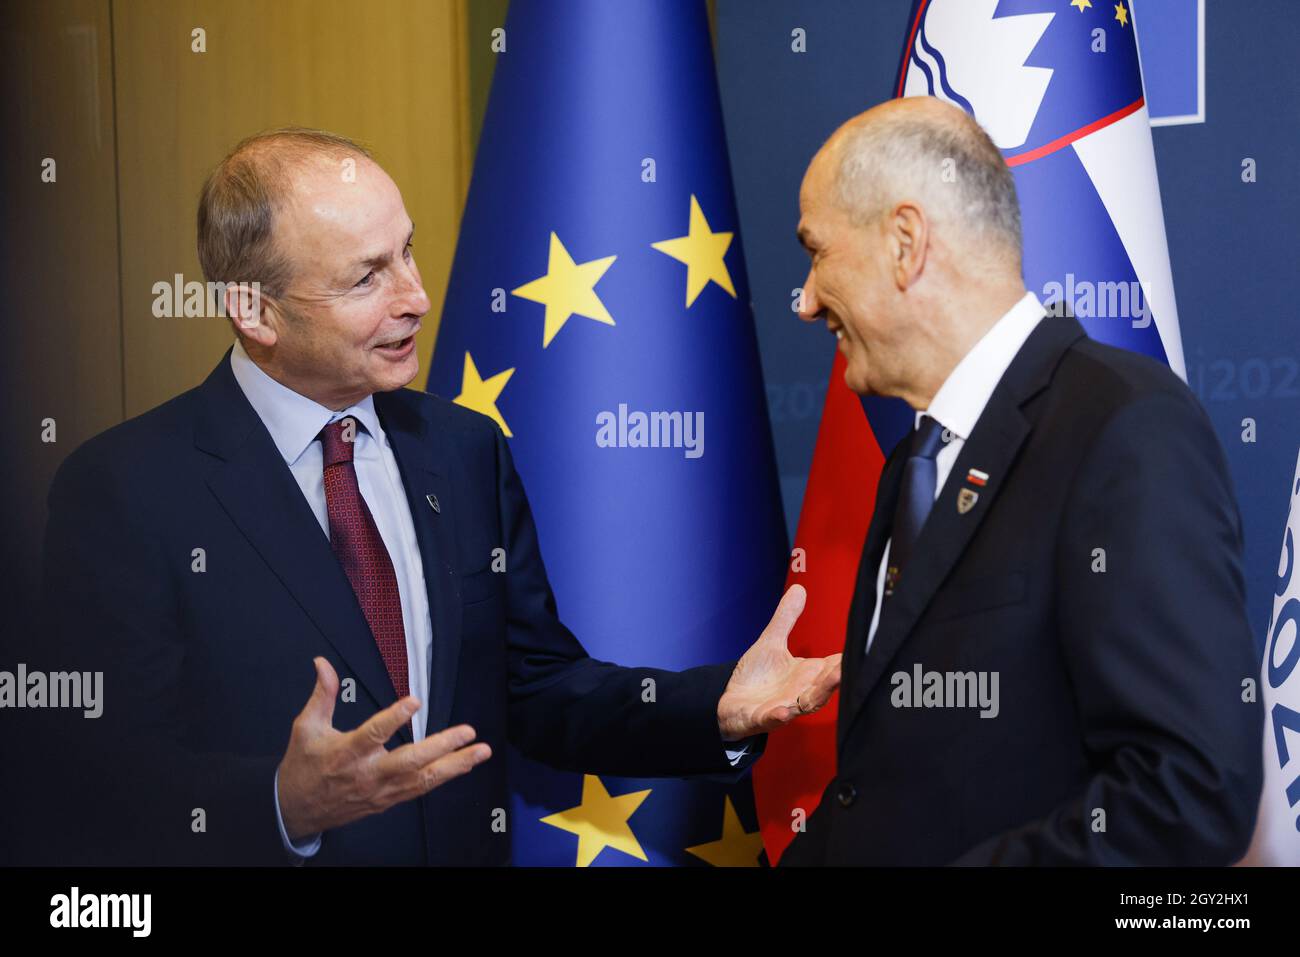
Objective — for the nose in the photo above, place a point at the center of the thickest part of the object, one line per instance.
(810, 307)
(411, 299)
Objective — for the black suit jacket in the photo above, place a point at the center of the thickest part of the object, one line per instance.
(205, 670)
(1122, 736)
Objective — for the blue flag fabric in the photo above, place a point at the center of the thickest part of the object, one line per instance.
(598, 310)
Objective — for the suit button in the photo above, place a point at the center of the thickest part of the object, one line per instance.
(847, 794)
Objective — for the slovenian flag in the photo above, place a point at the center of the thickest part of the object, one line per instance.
(1058, 87)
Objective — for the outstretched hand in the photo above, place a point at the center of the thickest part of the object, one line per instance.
(769, 686)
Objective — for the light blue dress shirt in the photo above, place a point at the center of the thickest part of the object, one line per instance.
(295, 422)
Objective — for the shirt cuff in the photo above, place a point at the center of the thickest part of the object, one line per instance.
(734, 757)
(304, 849)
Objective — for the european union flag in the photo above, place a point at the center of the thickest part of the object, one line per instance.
(598, 310)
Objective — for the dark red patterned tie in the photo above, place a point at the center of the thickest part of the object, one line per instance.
(361, 551)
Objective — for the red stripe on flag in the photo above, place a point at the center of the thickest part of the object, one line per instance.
(800, 758)
(907, 50)
(1061, 142)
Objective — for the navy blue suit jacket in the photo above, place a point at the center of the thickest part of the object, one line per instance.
(206, 670)
(1124, 734)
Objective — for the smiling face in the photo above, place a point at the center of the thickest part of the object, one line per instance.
(909, 268)
(851, 282)
(345, 326)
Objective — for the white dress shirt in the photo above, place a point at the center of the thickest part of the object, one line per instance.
(295, 422)
(960, 401)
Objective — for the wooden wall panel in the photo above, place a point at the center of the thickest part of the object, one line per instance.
(390, 74)
(62, 355)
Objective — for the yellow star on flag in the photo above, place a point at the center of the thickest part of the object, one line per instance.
(702, 250)
(481, 394)
(1121, 14)
(1081, 4)
(600, 821)
(567, 289)
(736, 848)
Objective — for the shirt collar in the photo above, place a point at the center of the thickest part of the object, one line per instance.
(961, 399)
(293, 420)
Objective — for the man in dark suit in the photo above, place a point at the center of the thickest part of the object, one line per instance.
(301, 505)
(1048, 659)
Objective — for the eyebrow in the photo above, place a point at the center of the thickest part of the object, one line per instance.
(804, 235)
(382, 259)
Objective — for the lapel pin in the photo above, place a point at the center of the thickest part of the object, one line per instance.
(966, 498)
(433, 503)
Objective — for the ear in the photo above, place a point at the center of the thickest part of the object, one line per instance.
(252, 315)
(909, 242)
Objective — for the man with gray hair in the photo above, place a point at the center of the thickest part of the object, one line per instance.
(1059, 528)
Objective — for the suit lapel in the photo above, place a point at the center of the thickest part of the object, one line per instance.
(413, 443)
(262, 498)
(864, 593)
(992, 448)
